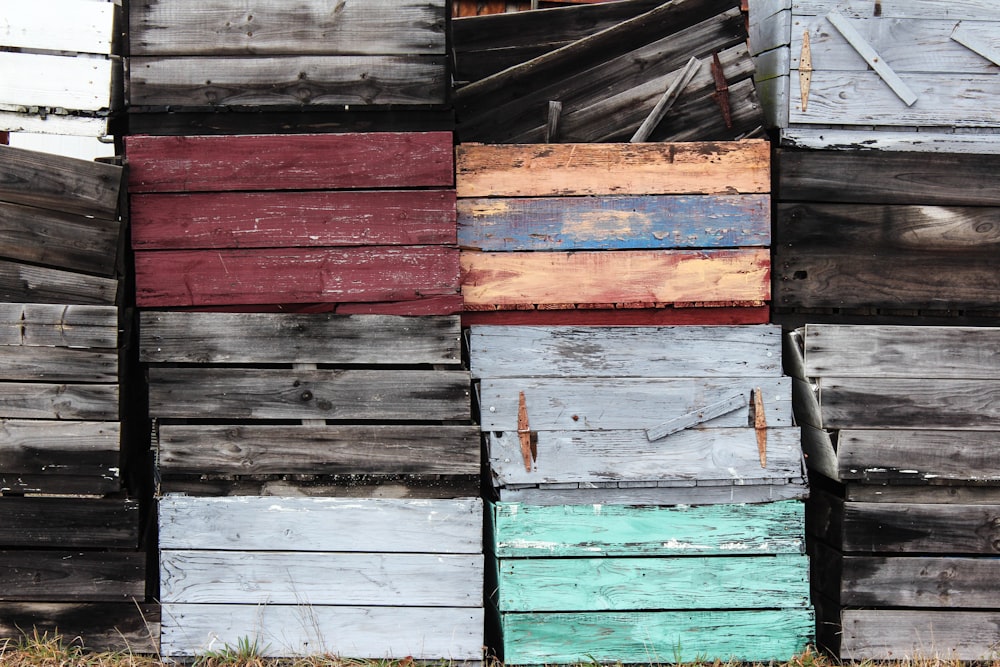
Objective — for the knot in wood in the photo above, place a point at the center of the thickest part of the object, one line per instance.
(306, 395)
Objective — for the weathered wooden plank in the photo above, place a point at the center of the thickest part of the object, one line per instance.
(298, 219)
(290, 162)
(531, 531)
(679, 636)
(319, 450)
(883, 493)
(598, 169)
(770, 26)
(623, 222)
(58, 325)
(811, 138)
(57, 364)
(54, 81)
(885, 634)
(923, 9)
(939, 528)
(59, 239)
(292, 275)
(37, 400)
(679, 495)
(624, 316)
(420, 633)
(63, 576)
(601, 584)
(60, 448)
(899, 351)
(297, 578)
(57, 124)
(583, 404)
(220, 28)
(595, 456)
(383, 525)
(497, 352)
(69, 523)
(228, 393)
(36, 284)
(115, 626)
(66, 25)
(888, 177)
(915, 581)
(59, 183)
(910, 403)
(319, 338)
(875, 60)
(286, 81)
(347, 486)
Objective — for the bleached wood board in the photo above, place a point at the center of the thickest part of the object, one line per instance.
(887, 634)
(931, 142)
(683, 351)
(694, 495)
(769, 25)
(56, 124)
(81, 83)
(58, 364)
(58, 325)
(65, 25)
(37, 400)
(304, 578)
(252, 523)
(959, 9)
(874, 455)
(420, 633)
(584, 404)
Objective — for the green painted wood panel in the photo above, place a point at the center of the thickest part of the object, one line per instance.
(597, 584)
(656, 636)
(533, 531)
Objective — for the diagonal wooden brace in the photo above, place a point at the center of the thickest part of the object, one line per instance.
(695, 417)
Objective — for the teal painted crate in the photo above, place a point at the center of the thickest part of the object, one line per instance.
(632, 584)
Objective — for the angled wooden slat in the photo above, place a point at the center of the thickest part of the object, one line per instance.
(63, 576)
(883, 454)
(67, 25)
(58, 325)
(882, 634)
(690, 351)
(58, 364)
(59, 183)
(37, 400)
(103, 626)
(61, 240)
(382, 525)
(873, 58)
(66, 82)
(290, 162)
(36, 284)
(69, 523)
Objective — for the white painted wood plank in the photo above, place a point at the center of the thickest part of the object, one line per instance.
(81, 148)
(987, 10)
(872, 57)
(55, 124)
(771, 64)
(696, 495)
(696, 417)
(931, 142)
(81, 83)
(310, 578)
(250, 523)
(769, 31)
(982, 44)
(58, 25)
(423, 633)
(622, 403)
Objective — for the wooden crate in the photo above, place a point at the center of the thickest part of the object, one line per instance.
(191, 56)
(352, 222)
(578, 233)
(718, 581)
(899, 426)
(408, 576)
(917, 74)
(58, 73)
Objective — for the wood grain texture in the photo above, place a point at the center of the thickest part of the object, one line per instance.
(58, 364)
(531, 531)
(351, 486)
(420, 633)
(38, 400)
(37, 284)
(924, 494)
(60, 448)
(297, 219)
(58, 325)
(58, 183)
(569, 223)
(881, 634)
(317, 27)
(63, 576)
(596, 277)
(597, 169)
(69, 523)
(84, 27)
(937, 528)
(928, 141)
(715, 351)
(919, 581)
(924, 9)
(57, 82)
(624, 316)
(772, 491)
(107, 626)
(290, 162)
(319, 450)
(318, 338)
(682, 636)
(914, 455)
(171, 278)
(61, 240)
(385, 525)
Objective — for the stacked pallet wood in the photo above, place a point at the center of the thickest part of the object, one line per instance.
(652, 233)
(649, 484)
(923, 73)
(71, 536)
(900, 425)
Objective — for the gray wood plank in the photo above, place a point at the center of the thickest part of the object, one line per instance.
(59, 183)
(938, 528)
(366, 524)
(304, 578)
(957, 10)
(57, 364)
(314, 338)
(915, 455)
(58, 325)
(59, 448)
(69, 523)
(694, 495)
(649, 352)
(61, 240)
(923, 494)
(812, 138)
(349, 486)
(36, 284)
(886, 634)
(920, 581)
(66, 576)
(227, 393)
(37, 400)
(105, 485)
(101, 626)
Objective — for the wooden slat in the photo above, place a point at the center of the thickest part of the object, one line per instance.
(914, 455)
(928, 141)
(116, 626)
(81, 126)
(57, 364)
(961, 495)
(400, 488)
(720, 316)
(899, 351)
(680, 636)
(37, 400)
(289, 162)
(914, 528)
(623, 403)
(298, 219)
(528, 531)
(62, 576)
(319, 450)
(60, 448)
(929, 9)
(497, 352)
(597, 169)
(961, 583)
(297, 578)
(291, 275)
(58, 325)
(59, 183)
(623, 222)
(17, 484)
(218, 28)
(66, 25)
(884, 634)
(177, 337)
(420, 633)
(33, 79)
(286, 81)
(660, 495)
(36, 284)
(361, 525)
(59, 239)
(225, 393)
(69, 523)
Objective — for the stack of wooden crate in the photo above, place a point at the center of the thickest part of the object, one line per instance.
(899, 429)
(70, 556)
